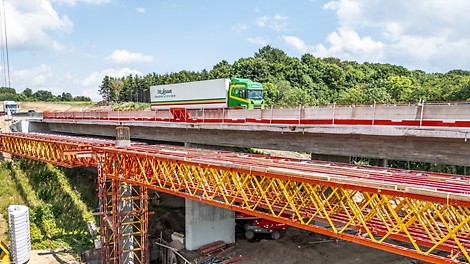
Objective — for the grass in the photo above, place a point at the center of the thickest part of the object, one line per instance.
(132, 106)
(61, 201)
(9, 194)
(86, 103)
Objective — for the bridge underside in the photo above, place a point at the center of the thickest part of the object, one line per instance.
(405, 144)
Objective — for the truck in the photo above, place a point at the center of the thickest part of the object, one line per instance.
(216, 93)
(253, 225)
(10, 108)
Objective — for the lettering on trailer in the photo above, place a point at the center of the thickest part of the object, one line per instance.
(165, 93)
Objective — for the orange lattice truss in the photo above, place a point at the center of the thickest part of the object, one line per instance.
(417, 214)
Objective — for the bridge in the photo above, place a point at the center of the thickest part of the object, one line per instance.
(436, 132)
(421, 215)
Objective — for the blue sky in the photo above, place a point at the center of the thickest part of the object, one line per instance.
(69, 45)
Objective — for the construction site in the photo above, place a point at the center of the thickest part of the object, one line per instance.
(199, 204)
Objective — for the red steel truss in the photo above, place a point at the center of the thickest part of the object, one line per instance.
(64, 151)
(422, 215)
(123, 233)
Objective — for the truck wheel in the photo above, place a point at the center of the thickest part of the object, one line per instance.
(247, 226)
(249, 234)
(275, 235)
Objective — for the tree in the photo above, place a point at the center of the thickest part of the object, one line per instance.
(223, 69)
(105, 90)
(255, 69)
(116, 85)
(352, 95)
(28, 92)
(7, 90)
(400, 88)
(272, 55)
(44, 96)
(80, 98)
(66, 97)
(309, 80)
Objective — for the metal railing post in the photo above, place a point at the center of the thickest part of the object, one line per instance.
(373, 115)
(334, 108)
(271, 119)
(421, 116)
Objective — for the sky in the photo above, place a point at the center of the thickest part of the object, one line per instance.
(70, 45)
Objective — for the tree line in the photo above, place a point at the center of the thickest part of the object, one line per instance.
(308, 80)
(10, 94)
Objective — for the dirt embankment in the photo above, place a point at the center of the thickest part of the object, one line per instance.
(46, 106)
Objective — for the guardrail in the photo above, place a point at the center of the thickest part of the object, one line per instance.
(414, 115)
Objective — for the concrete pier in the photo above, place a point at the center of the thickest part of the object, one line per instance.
(206, 223)
(333, 158)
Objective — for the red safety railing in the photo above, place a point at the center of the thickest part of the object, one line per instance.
(419, 115)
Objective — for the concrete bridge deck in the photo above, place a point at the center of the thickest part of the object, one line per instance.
(436, 133)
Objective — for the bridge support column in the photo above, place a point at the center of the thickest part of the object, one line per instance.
(334, 158)
(383, 163)
(123, 214)
(211, 147)
(123, 222)
(206, 223)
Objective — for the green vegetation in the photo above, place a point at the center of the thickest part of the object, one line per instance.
(131, 106)
(412, 165)
(82, 103)
(7, 93)
(308, 81)
(59, 205)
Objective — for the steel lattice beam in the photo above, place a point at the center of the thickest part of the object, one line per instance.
(64, 151)
(371, 206)
(377, 207)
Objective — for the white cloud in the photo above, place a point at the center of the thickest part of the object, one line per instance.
(298, 44)
(124, 56)
(429, 35)
(95, 78)
(240, 27)
(36, 76)
(74, 2)
(347, 44)
(29, 24)
(90, 84)
(258, 41)
(277, 23)
(44, 77)
(140, 10)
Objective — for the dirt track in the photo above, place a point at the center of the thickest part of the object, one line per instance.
(299, 246)
(51, 257)
(44, 106)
